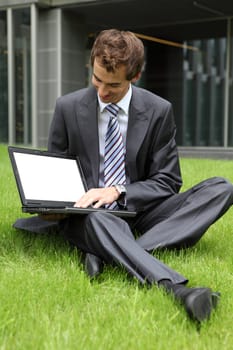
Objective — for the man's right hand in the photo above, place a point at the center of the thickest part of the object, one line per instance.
(97, 197)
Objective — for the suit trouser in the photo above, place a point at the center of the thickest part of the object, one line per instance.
(178, 222)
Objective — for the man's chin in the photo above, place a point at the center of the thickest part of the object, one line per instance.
(107, 99)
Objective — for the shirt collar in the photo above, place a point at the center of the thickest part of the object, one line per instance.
(123, 103)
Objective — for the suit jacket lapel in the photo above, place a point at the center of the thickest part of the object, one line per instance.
(88, 124)
(139, 116)
(138, 123)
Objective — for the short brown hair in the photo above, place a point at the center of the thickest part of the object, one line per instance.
(114, 48)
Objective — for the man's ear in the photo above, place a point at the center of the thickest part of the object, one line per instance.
(137, 77)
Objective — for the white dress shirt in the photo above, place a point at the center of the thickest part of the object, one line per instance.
(103, 119)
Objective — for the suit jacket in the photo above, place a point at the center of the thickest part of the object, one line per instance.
(152, 162)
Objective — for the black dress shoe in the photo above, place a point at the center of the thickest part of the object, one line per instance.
(200, 302)
(93, 265)
(215, 296)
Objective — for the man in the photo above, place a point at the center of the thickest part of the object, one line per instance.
(150, 181)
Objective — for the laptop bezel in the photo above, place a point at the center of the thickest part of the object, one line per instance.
(33, 207)
(32, 203)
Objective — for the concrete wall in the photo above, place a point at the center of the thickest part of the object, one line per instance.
(61, 62)
(74, 39)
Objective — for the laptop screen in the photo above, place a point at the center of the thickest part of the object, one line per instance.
(48, 178)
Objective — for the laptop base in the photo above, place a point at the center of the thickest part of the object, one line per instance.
(75, 210)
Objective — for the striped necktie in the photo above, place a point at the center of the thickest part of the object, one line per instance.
(114, 157)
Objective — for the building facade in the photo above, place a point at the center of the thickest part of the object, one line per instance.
(44, 53)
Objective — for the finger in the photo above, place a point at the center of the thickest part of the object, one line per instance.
(98, 204)
(85, 202)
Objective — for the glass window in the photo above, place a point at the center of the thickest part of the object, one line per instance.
(203, 86)
(3, 79)
(194, 79)
(230, 129)
(22, 60)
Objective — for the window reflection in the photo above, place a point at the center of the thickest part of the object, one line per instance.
(203, 97)
(230, 130)
(22, 75)
(3, 79)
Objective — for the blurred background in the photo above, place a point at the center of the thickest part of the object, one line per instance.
(45, 47)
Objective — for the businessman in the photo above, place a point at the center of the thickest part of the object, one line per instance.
(125, 139)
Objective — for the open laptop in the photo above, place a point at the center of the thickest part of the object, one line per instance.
(50, 183)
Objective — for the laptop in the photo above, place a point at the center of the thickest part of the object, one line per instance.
(50, 183)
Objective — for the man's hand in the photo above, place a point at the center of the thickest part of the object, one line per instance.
(97, 197)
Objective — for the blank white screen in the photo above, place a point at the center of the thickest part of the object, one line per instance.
(49, 178)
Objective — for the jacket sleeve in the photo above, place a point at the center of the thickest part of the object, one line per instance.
(58, 137)
(158, 169)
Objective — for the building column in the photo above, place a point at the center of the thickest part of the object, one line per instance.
(11, 74)
(227, 83)
(34, 92)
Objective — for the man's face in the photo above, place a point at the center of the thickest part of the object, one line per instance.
(111, 87)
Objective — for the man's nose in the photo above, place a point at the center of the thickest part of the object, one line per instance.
(103, 90)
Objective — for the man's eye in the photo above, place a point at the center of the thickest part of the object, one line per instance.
(97, 79)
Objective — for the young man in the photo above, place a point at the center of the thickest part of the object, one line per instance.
(147, 180)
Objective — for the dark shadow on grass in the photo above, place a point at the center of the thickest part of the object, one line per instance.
(49, 244)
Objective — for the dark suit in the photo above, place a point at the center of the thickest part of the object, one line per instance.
(151, 156)
(165, 217)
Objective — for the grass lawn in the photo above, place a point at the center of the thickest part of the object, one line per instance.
(47, 301)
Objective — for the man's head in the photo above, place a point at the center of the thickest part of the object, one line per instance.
(114, 48)
(117, 58)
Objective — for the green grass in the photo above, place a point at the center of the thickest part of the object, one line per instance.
(47, 301)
